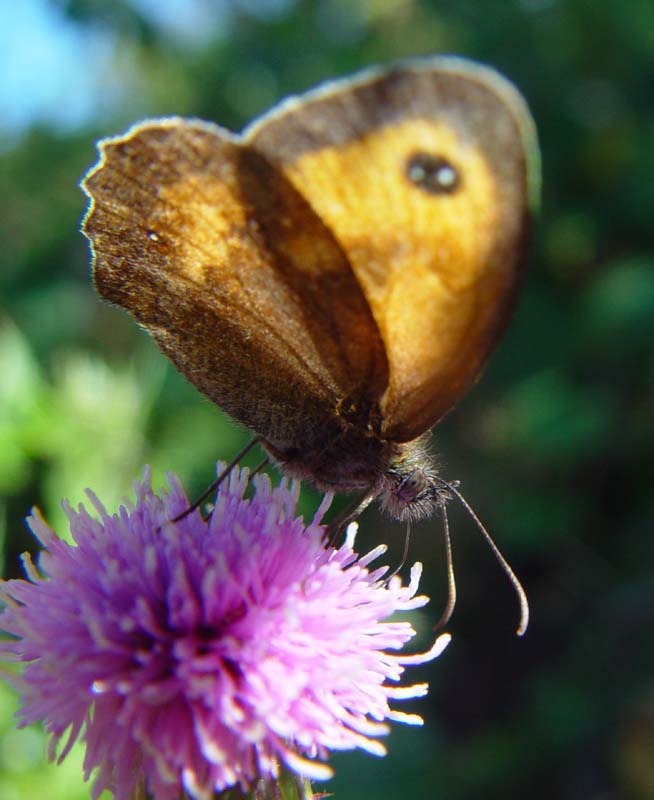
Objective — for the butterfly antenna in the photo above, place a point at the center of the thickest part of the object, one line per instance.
(212, 488)
(451, 583)
(407, 539)
(522, 596)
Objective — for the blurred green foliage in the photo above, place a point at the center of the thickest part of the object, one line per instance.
(553, 447)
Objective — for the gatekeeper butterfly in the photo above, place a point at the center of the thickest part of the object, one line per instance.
(336, 276)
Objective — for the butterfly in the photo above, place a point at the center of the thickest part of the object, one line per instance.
(336, 276)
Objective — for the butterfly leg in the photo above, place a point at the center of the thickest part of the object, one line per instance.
(338, 525)
(405, 552)
(261, 465)
(212, 488)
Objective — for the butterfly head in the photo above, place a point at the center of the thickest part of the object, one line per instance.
(411, 488)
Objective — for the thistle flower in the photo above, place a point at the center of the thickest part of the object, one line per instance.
(203, 654)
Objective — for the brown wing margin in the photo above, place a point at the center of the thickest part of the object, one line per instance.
(238, 280)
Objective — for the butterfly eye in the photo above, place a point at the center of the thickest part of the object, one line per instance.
(434, 174)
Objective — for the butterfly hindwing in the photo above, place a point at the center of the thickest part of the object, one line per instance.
(236, 277)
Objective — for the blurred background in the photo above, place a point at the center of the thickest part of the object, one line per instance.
(553, 447)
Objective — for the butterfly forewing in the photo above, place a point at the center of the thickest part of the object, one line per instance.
(423, 175)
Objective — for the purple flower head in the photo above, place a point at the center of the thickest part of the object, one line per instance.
(202, 654)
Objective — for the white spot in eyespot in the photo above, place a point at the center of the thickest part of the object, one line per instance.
(446, 176)
(417, 173)
(152, 236)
